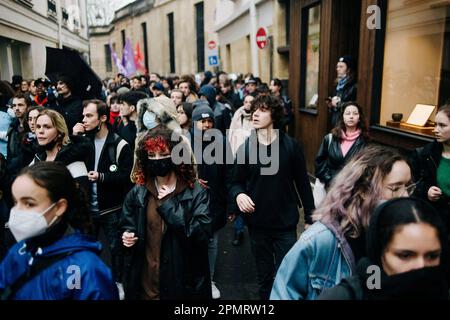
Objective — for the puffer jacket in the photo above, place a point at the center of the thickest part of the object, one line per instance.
(81, 275)
(184, 265)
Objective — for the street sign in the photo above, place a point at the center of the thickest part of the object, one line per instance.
(212, 45)
(261, 38)
(213, 61)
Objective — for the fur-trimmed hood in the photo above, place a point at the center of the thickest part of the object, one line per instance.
(164, 109)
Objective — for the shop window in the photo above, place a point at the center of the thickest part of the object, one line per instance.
(416, 66)
(310, 56)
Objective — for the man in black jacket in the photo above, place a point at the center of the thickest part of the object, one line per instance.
(69, 105)
(222, 114)
(109, 171)
(270, 169)
(17, 155)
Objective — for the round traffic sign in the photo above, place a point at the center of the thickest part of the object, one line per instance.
(211, 45)
(261, 38)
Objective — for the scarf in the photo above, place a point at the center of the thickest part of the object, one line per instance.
(341, 84)
(348, 139)
(113, 116)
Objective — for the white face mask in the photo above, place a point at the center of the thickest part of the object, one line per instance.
(149, 120)
(26, 224)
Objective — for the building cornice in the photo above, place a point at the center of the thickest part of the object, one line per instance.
(236, 15)
(133, 9)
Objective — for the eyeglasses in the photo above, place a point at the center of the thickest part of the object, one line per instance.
(400, 190)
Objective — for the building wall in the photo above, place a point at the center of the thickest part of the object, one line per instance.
(32, 30)
(158, 36)
(234, 33)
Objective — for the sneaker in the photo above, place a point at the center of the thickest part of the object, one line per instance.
(121, 292)
(237, 238)
(215, 291)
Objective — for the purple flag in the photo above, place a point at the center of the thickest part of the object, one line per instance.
(116, 60)
(128, 59)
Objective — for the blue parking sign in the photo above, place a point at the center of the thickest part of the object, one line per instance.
(213, 60)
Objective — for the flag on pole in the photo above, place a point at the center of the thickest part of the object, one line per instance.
(128, 60)
(139, 60)
(116, 60)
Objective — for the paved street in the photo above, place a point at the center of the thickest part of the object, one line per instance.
(235, 269)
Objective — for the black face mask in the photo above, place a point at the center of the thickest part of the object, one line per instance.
(50, 145)
(95, 130)
(160, 167)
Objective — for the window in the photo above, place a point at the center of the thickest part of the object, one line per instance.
(171, 42)
(108, 63)
(416, 66)
(144, 38)
(51, 11)
(310, 57)
(123, 38)
(65, 16)
(200, 36)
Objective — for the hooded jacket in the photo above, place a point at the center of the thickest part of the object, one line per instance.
(81, 275)
(222, 115)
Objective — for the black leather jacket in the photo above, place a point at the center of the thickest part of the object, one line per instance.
(184, 267)
(425, 162)
(329, 159)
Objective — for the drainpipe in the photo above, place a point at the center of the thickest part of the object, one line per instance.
(254, 49)
(59, 13)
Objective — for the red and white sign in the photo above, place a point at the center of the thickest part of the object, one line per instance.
(212, 45)
(261, 38)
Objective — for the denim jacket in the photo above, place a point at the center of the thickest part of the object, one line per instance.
(320, 259)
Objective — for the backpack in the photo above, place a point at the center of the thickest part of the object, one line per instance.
(114, 152)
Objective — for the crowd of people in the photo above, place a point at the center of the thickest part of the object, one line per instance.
(159, 165)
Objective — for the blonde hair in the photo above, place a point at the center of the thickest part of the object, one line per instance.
(59, 123)
(356, 190)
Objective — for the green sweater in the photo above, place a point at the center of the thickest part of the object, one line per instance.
(443, 176)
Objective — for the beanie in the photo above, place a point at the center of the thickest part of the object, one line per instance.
(349, 61)
(202, 111)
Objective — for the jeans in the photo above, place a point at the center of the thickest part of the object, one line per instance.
(212, 253)
(269, 248)
(239, 224)
(109, 223)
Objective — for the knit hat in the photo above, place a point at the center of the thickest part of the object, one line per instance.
(349, 61)
(122, 90)
(202, 111)
(158, 86)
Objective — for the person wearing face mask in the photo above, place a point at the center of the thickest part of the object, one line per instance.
(55, 145)
(109, 171)
(56, 257)
(330, 249)
(407, 242)
(216, 171)
(166, 225)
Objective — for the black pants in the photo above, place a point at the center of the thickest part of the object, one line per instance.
(269, 248)
(109, 223)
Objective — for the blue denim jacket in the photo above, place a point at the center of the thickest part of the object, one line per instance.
(320, 259)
